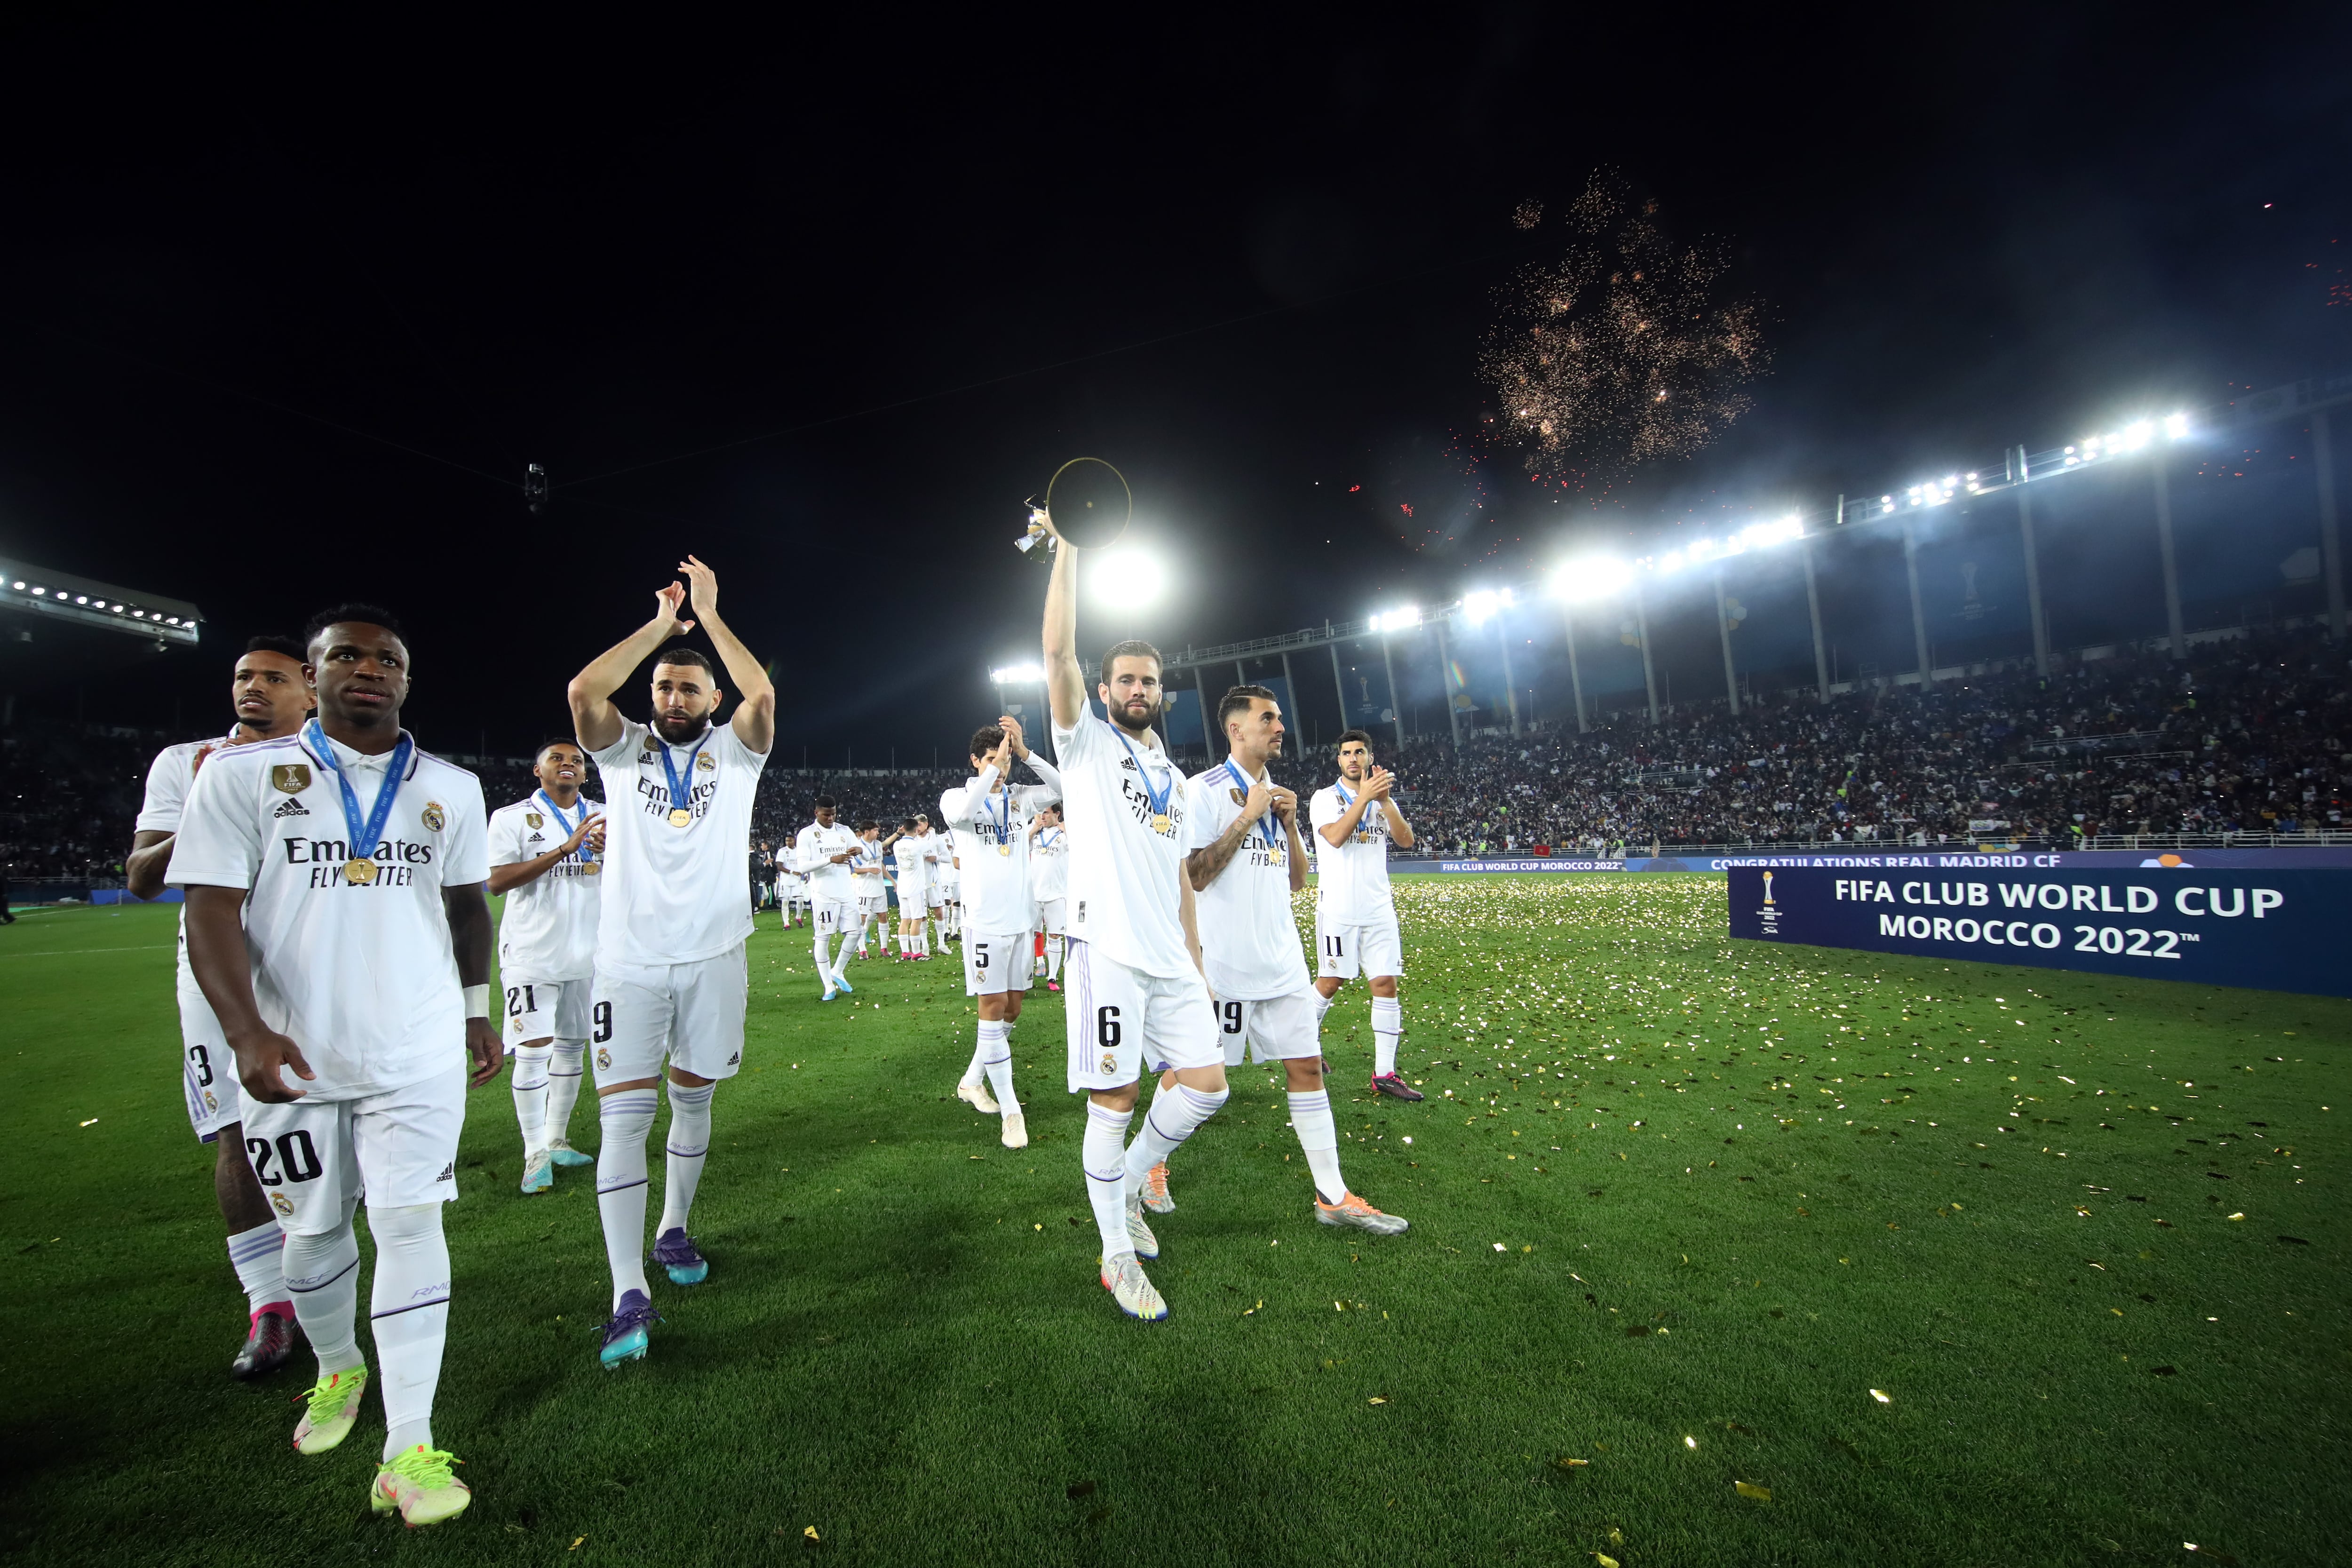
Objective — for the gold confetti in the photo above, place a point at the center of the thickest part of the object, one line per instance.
(810, 1531)
(1749, 1489)
(2237, 1217)
(576, 1545)
(91, 1122)
(1570, 1462)
(1377, 1399)
(1689, 1442)
(1605, 1560)
(1881, 1396)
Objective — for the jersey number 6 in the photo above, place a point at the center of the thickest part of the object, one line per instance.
(1106, 1030)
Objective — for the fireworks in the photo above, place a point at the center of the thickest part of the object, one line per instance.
(1624, 350)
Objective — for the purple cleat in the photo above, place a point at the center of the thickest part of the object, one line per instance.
(674, 1251)
(625, 1335)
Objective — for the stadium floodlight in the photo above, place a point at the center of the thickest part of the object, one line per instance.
(2175, 425)
(1484, 605)
(2137, 434)
(1398, 620)
(1596, 578)
(1128, 579)
(1672, 561)
(1017, 675)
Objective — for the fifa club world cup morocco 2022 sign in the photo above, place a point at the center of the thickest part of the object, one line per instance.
(2266, 930)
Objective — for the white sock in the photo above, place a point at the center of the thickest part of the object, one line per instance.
(627, 1120)
(563, 1088)
(1053, 957)
(1103, 1152)
(688, 1145)
(1323, 1008)
(1388, 1024)
(408, 1309)
(259, 1256)
(822, 948)
(996, 1051)
(531, 1064)
(322, 1275)
(1310, 1118)
(1173, 1116)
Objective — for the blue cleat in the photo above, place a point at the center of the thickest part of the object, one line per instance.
(830, 993)
(843, 980)
(674, 1251)
(625, 1335)
(538, 1174)
(564, 1154)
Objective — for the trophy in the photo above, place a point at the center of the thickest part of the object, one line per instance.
(1089, 502)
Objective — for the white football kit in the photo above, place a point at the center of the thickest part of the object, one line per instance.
(1049, 876)
(831, 888)
(360, 975)
(669, 973)
(945, 877)
(872, 882)
(1135, 999)
(1354, 912)
(547, 934)
(1249, 941)
(912, 856)
(208, 1067)
(990, 830)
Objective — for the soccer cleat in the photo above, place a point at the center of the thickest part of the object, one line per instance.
(674, 1250)
(829, 994)
(1156, 1196)
(1053, 986)
(624, 1334)
(1015, 1134)
(861, 952)
(333, 1404)
(1147, 1245)
(1395, 1086)
(417, 1482)
(976, 1095)
(538, 1171)
(1355, 1212)
(268, 1341)
(1124, 1279)
(563, 1154)
(843, 980)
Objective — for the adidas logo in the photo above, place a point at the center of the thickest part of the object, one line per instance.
(448, 1173)
(735, 1060)
(537, 838)
(290, 807)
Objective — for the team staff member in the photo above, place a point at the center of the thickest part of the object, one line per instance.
(337, 926)
(670, 980)
(271, 699)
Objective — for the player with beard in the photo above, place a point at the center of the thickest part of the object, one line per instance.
(1246, 861)
(271, 699)
(1136, 994)
(670, 978)
(337, 924)
(544, 857)
(989, 819)
(1355, 820)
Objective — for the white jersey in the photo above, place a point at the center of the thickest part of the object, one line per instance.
(1351, 881)
(1049, 864)
(812, 853)
(943, 859)
(1249, 942)
(361, 976)
(169, 778)
(912, 858)
(673, 890)
(1125, 803)
(991, 828)
(868, 877)
(548, 930)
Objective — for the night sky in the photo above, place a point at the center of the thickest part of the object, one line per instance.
(289, 307)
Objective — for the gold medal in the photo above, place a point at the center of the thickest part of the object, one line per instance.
(1159, 823)
(359, 873)
(1004, 849)
(591, 868)
(681, 817)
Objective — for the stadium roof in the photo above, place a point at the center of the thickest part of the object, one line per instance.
(60, 595)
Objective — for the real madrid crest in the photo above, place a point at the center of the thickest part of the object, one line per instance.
(436, 819)
(282, 1203)
(533, 818)
(289, 778)
(706, 762)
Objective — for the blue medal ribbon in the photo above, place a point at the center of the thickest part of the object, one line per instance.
(368, 832)
(569, 827)
(1268, 824)
(681, 788)
(1157, 799)
(1002, 816)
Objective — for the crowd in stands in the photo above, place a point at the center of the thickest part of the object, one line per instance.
(2246, 736)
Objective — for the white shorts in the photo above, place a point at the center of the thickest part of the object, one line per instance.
(1049, 916)
(1280, 1028)
(208, 1067)
(914, 893)
(315, 1157)
(690, 1013)
(874, 908)
(1342, 952)
(943, 892)
(792, 889)
(836, 917)
(996, 963)
(544, 1009)
(1120, 1021)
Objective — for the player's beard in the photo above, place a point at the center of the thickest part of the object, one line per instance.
(1138, 727)
(681, 731)
(1354, 777)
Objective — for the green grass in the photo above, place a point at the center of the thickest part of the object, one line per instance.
(1800, 1176)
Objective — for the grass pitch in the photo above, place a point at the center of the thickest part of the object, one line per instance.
(1721, 1255)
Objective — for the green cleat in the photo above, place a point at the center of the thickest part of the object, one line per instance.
(335, 1405)
(418, 1483)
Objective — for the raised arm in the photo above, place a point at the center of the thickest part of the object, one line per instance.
(594, 720)
(971, 800)
(1400, 831)
(1066, 682)
(755, 714)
